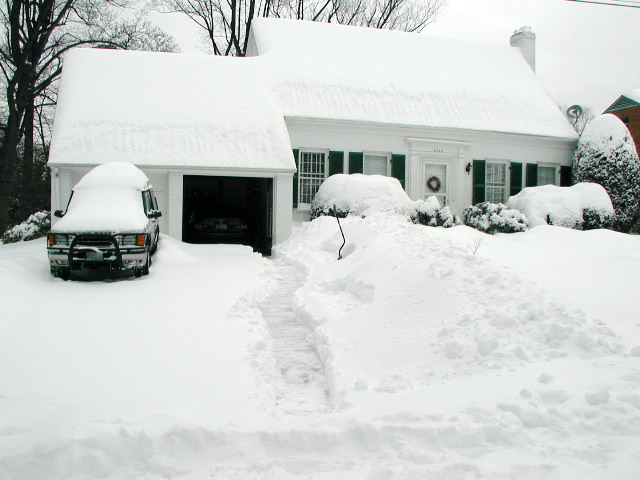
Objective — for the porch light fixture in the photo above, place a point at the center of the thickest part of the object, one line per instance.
(468, 168)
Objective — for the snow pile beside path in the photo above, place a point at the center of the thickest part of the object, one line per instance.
(426, 305)
(562, 206)
(360, 194)
(415, 331)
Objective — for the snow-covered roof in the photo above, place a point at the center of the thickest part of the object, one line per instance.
(633, 95)
(628, 100)
(164, 109)
(169, 110)
(337, 72)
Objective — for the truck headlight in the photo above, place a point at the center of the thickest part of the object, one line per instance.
(131, 240)
(58, 239)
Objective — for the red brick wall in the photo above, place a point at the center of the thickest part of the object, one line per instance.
(634, 122)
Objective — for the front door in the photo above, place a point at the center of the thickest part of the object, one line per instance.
(435, 182)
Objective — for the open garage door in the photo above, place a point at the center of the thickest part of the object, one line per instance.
(228, 210)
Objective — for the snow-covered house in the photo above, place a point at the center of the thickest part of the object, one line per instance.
(463, 121)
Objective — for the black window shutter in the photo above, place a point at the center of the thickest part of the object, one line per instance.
(479, 172)
(336, 163)
(516, 178)
(532, 174)
(565, 176)
(295, 179)
(398, 168)
(355, 162)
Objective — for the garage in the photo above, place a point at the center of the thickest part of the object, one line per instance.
(219, 209)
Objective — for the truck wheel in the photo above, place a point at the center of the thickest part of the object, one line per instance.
(147, 264)
(154, 245)
(64, 273)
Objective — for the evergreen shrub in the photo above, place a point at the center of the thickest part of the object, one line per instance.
(495, 218)
(36, 226)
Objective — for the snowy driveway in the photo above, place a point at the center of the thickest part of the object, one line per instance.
(438, 363)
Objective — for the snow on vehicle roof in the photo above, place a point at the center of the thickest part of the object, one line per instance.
(330, 71)
(167, 109)
(107, 199)
(114, 175)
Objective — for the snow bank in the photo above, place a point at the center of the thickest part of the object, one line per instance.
(563, 205)
(414, 329)
(449, 353)
(360, 194)
(107, 199)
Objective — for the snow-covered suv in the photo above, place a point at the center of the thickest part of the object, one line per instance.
(110, 221)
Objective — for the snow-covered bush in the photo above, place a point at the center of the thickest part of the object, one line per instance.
(360, 195)
(36, 226)
(494, 218)
(607, 155)
(596, 219)
(429, 212)
(564, 206)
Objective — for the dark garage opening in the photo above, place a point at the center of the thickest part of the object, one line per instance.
(228, 210)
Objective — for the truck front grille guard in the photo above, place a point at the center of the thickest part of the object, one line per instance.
(92, 242)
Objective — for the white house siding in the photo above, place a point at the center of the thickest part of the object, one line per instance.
(455, 148)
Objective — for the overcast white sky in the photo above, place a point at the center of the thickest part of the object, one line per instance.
(586, 54)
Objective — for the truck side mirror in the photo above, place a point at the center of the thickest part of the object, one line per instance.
(58, 213)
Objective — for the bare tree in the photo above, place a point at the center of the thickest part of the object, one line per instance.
(34, 36)
(580, 122)
(226, 23)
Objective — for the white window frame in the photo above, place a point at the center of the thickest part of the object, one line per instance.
(302, 176)
(378, 154)
(556, 172)
(507, 180)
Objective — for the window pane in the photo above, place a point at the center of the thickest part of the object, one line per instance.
(375, 165)
(311, 174)
(546, 175)
(496, 182)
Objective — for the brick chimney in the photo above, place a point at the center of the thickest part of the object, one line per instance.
(525, 40)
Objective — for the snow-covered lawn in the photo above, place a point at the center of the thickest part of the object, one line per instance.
(519, 361)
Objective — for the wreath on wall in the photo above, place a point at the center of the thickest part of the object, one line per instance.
(434, 184)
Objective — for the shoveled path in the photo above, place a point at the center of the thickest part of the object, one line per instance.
(301, 386)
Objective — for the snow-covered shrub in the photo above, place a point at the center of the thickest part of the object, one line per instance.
(360, 195)
(36, 226)
(563, 206)
(430, 213)
(495, 218)
(607, 155)
(596, 219)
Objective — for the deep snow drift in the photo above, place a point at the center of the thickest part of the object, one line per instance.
(518, 361)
